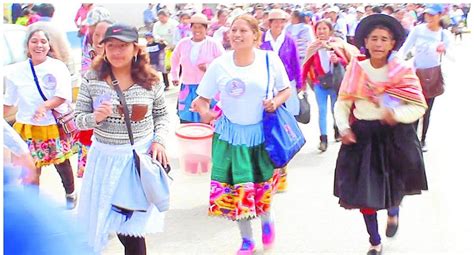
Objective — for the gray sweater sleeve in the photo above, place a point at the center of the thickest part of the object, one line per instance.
(160, 114)
(84, 112)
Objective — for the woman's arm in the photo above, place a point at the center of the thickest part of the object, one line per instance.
(161, 119)
(271, 105)
(84, 113)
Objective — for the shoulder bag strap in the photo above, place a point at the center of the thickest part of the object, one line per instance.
(36, 81)
(442, 37)
(126, 114)
(268, 74)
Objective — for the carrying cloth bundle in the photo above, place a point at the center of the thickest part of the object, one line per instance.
(147, 182)
(431, 79)
(65, 121)
(283, 137)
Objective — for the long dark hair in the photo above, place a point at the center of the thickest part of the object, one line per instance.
(142, 72)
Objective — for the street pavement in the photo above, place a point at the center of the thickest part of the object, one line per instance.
(308, 218)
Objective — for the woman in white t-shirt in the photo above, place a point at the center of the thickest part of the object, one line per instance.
(430, 41)
(243, 179)
(34, 120)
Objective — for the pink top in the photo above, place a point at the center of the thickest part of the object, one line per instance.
(210, 50)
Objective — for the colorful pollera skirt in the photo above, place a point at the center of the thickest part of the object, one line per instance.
(83, 143)
(186, 96)
(383, 166)
(243, 179)
(45, 146)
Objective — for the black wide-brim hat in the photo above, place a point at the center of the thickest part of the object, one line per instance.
(367, 24)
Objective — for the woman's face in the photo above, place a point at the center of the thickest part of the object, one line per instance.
(198, 31)
(241, 35)
(323, 32)
(432, 19)
(379, 43)
(119, 53)
(38, 46)
(185, 19)
(277, 25)
(223, 17)
(98, 36)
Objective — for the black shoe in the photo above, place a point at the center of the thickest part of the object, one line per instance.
(391, 229)
(374, 252)
(424, 147)
(323, 146)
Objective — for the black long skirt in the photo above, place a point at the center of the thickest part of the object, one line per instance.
(383, 166)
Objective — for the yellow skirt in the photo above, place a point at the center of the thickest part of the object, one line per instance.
(45, 146)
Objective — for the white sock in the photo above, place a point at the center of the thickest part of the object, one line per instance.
(245, 227)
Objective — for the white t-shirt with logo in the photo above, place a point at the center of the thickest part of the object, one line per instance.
(20, 89)
(242, 89)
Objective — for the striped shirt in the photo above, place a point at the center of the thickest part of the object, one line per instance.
(113, 129)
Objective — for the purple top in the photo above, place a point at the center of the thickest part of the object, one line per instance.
(289, 56)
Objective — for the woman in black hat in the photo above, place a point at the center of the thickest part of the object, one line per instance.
(380, 160)
(126, 65)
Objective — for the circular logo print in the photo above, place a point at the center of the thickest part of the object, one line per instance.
(235, 87)
(49, 81)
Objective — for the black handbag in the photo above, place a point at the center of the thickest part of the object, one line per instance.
(333, 79)
(304, 115)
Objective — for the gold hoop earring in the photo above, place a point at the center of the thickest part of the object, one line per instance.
(105, 59)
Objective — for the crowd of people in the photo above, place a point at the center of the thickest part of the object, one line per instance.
(370, 61)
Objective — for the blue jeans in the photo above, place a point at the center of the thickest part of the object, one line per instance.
(322, 100)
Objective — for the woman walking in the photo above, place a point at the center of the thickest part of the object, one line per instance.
(380, 160)
(194, 54)
(275, 39)
(430, 41)
(321, 58)
(243, 180)
(38, 86)
(124, 64)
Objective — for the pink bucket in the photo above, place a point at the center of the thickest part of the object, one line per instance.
(195, 145)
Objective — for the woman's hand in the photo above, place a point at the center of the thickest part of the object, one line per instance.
(40, 113)
(202, 67)
(103, 111)
(269, 105)
(334, 58)
(441, 48)
(348, 137)
(388, 117)
(158, 152)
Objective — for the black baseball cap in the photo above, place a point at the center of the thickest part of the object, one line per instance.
(121, 32)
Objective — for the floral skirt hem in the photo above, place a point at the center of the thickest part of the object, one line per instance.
(44, 144)
(242, 201)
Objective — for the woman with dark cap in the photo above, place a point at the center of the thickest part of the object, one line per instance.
(380, 160)
(123, 65)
